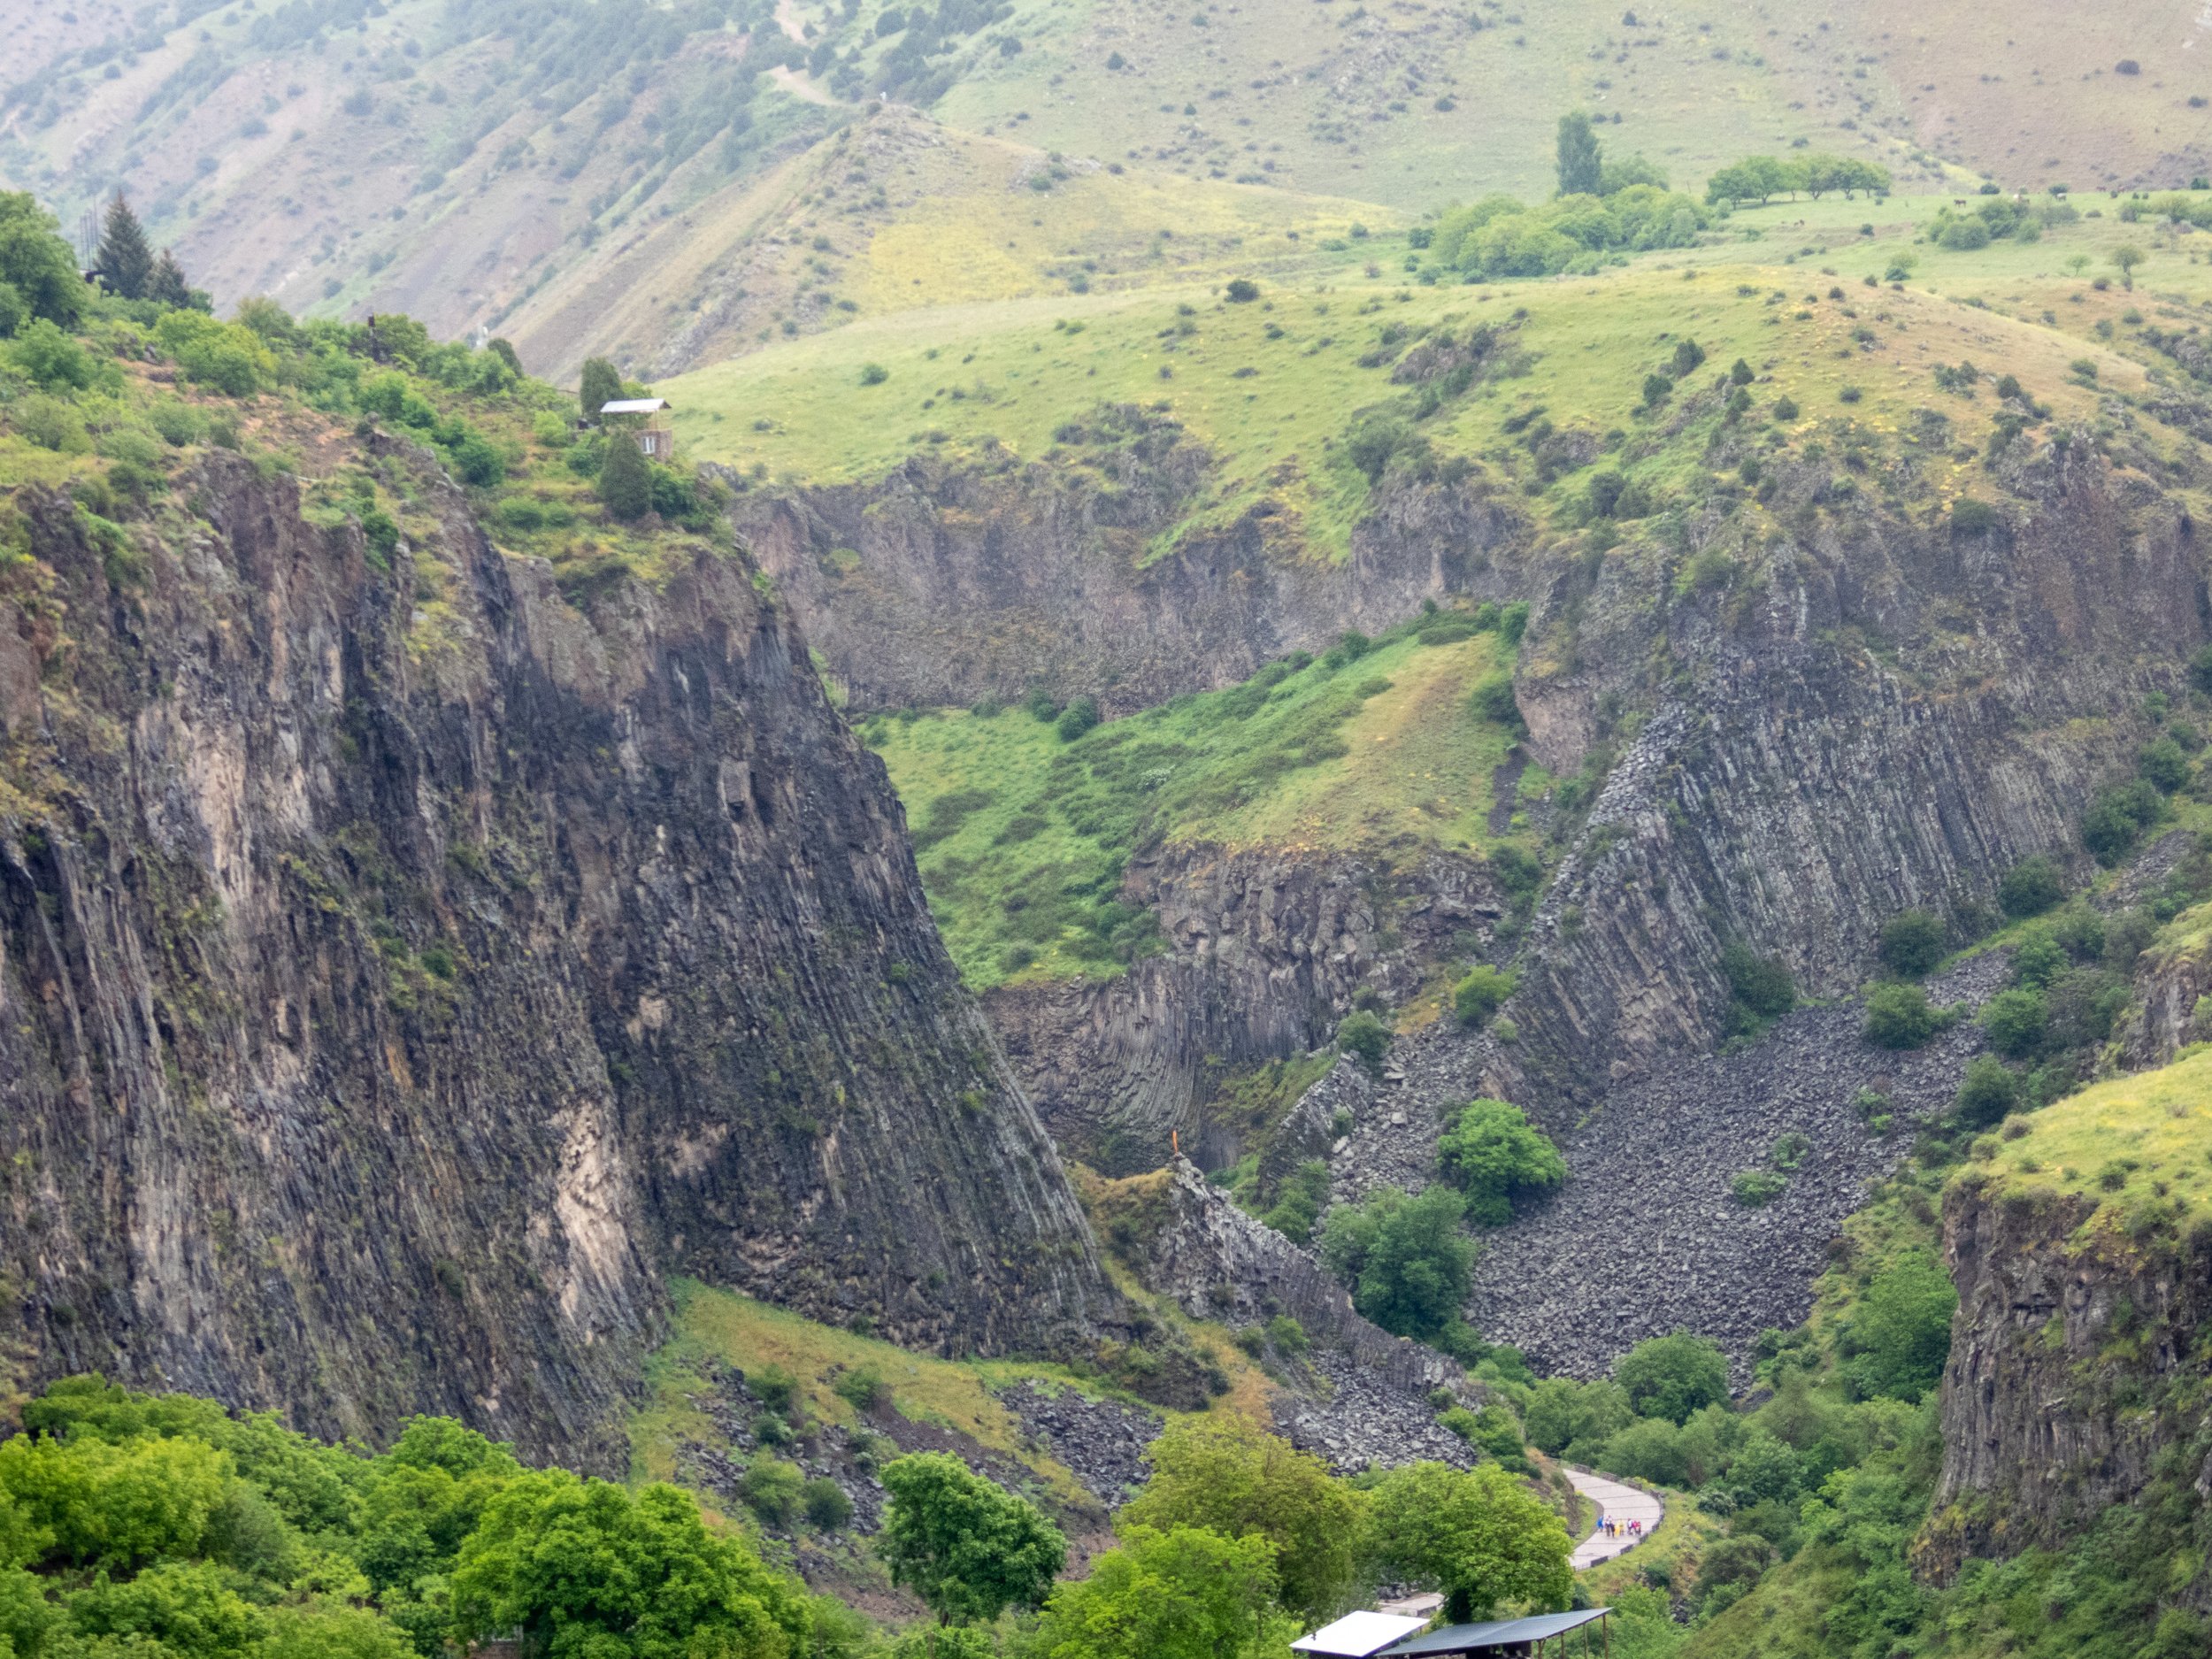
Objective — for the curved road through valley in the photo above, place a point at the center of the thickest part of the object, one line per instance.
(1616, 1502)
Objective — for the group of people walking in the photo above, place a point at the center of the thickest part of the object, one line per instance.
(1630, 1530)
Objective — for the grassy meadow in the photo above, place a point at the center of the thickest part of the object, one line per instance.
(1024, 835)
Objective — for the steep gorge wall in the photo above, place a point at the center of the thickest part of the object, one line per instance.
(1862, 715)
(2076, 1370)
(943, 585)
(1264, 954)
(402, 971)
(1871, 716)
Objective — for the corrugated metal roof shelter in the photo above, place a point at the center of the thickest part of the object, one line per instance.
(1501, 1637)
(636, 406)
(1357, 1635)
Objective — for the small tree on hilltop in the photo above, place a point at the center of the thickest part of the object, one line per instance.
(125, 262)
(599, 385)
(625, 481)
(969, 1548)
(1581, 162)
(166, 286)
(1480, 1536)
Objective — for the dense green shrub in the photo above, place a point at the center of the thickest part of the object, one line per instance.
(827, 1506)
(1755, 1189)
(1492, 1152)
(1899, 1016)
(1672, 1376)
(1494, 702)
(2117, 818)
(1077, 719)
(2015, 1018)
(2162, 766)
(1986, 1093)
(1478, 995)
(1365, 1037)
(1405, 1260)
(1912, 943)
(1896, 1338)
(2030, 887)
(1299, 1201)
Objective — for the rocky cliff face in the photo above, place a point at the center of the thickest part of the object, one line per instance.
(1793, 737)
(2076, 1362)
(401, 970)
(940, 586)
(1266, 953)
(1861, 718)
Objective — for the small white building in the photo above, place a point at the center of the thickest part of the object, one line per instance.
(646, 420)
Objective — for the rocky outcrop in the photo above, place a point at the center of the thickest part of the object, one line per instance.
(1864, 717)
(2077, 1370)
(1265, 952)
(942, 585)
(1215, 1261)
(402, 969)
(1646, 1235)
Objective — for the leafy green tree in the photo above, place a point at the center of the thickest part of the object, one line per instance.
(968, 1549)
(1561, 1412)
(599, 383)
(1649, 1448)
(125, 262)
(1895, 1341)
(1478, 995)
(1581, 162)
(587, 1568)
(191, 1608)
(626, 479)
(2125, 258)
(1480, 1536)
(1190, 1592)
(331, 1633)
(103, 1504)
(1405, 1260)
(1492, 1154)
(1762, 984)
(36, 263)
(1986, 1093)
(2015, 1018)
(1365, 1037)
(1229, 1476)
(2032, 886)
(1899, 1016)
(1912, 943)
(1674, 1375)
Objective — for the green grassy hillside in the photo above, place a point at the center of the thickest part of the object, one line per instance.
(1024, 834)
(535, 167)
(1273, 388)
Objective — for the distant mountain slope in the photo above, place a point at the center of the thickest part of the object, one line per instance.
(573, 171)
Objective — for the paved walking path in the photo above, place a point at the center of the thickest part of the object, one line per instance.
(1616, 1502)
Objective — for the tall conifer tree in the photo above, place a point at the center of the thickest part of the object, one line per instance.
(125, 260)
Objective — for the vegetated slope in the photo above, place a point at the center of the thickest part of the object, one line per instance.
(2049, 1503)
(892, 212)
(416, 949)
(1793, 537)
(356, 156)
(526, 168)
